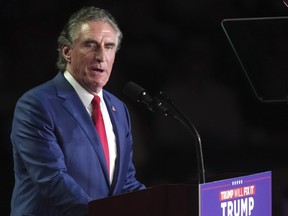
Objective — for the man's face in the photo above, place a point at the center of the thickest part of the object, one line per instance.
(91, 57)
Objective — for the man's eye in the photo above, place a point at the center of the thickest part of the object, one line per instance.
(89, 45)
(110, 46)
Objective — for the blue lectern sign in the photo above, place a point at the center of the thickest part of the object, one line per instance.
(249, 195)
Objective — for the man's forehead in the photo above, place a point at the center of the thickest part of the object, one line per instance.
(97, 28)
(96, 31)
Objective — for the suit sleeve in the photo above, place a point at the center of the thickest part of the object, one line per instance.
(42, 159)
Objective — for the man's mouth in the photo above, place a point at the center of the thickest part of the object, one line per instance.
(96, 69)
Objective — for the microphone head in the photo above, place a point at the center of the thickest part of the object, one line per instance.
(139, 94)
(133, 91)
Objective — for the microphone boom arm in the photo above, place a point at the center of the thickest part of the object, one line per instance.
(178, 115)
(159, 104)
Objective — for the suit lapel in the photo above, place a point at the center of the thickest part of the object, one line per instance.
(73, 104)
(115, 119)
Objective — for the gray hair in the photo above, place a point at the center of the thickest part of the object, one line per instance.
(85, 14)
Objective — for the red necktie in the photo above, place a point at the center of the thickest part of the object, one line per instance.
(100, 127)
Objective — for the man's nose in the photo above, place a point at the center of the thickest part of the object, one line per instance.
(99, 54)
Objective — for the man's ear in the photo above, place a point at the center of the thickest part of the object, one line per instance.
(66, 52)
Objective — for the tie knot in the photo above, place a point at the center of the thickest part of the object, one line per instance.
(96, 102)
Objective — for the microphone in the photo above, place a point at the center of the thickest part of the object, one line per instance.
(164, 105)
(139, 94)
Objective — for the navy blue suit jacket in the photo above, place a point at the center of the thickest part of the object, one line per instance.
(58, 159)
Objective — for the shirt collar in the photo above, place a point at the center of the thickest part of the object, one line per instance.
(85, 96)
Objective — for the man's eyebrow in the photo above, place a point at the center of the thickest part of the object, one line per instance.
(89, 40)
(110, 43)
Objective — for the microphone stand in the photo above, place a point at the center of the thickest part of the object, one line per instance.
(178, 115)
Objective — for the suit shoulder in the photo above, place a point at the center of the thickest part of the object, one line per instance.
(39, 89)
(111, 97)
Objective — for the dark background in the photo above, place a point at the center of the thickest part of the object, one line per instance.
(174, 46)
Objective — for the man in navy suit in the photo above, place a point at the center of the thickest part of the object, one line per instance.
(59, 163)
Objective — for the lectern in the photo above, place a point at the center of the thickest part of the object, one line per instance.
(162, 200)
(243, 195)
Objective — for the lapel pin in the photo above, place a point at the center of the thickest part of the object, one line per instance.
(113, 109)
